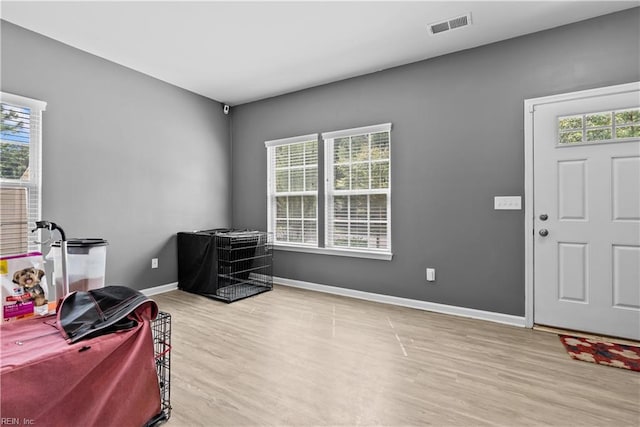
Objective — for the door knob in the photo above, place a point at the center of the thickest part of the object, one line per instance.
(544, 217)
(544, 232)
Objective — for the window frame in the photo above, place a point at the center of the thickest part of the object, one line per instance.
(321, 247)
(34, 183)
(272, 193)
(329, 192)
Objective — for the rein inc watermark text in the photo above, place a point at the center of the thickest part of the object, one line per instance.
(16, 421)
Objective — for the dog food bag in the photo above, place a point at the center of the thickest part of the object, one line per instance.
(24, 286)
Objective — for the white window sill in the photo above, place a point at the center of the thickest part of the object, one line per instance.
(387, 256)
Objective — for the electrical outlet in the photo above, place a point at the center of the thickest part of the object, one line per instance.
(154, 262)
(431, 274)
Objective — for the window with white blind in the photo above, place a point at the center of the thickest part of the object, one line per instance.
(20, 172)
(358, 189)
(357, 193)
(293, 190)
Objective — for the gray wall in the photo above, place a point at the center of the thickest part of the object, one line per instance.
(457, 141)
(126, 157)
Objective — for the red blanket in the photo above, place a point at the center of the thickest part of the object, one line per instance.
(109, 380)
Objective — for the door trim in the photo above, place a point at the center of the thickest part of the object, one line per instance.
(529, 208)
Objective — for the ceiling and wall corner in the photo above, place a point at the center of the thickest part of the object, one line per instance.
(242, 51)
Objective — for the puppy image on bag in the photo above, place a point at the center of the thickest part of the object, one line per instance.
(23, 283)
(29, 280)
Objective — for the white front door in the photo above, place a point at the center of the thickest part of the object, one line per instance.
(586, 207)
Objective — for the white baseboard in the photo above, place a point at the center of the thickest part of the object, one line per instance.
(160, 289)
(506, 319)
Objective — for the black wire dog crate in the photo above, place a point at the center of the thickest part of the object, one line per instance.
(245, 266)
(161, 329)
(225, 264)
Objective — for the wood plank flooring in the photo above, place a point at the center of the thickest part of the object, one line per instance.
(292, 357)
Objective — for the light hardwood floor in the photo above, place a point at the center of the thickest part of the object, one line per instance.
(292, 357)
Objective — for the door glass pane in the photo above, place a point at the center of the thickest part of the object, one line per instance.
(628, 117)
(598, 134)
(570, 137)
(600, 119)
(605, 126)
(628, 132)
(566, 123)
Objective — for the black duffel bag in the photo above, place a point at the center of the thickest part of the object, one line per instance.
(83, 315)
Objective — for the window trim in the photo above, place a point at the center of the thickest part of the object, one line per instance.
(292, 140)
(34, 183)
(384, 127)
(385, 256)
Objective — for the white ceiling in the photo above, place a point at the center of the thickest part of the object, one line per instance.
(237, 52)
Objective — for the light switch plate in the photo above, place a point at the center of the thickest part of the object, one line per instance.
(507, 203)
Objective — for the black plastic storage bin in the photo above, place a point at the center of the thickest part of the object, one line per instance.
(225, 264)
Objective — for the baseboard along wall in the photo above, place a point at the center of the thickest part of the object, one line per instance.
(490, 316)
(160, 289)
(506, 319)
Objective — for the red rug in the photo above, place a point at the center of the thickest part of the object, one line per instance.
(602, 352)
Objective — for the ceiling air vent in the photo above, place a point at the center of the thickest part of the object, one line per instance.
(450, 24)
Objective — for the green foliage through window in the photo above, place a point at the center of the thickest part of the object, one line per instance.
(15, 134)
(607, 126)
